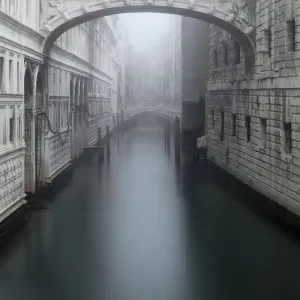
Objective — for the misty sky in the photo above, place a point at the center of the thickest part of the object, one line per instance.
(145, 28)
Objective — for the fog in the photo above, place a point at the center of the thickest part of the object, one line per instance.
(145, 28)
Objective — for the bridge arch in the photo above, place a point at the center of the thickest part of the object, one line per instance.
(162, 110)
(152, 112)
(217, 14)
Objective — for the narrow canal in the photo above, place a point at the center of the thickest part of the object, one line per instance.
(136, 227)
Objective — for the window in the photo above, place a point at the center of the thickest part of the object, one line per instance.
(216, 59)
(18, 77)
(62, 107)
(222, 126)
(291, 35)
(27, 8)
(20, 125)
(10, 75)
(225, 49)
(1, 72)
(11, 6)
(60, 83)
(11, 129)
(58, 116)
(4, 130)
(233, 124)
(237, 51)
(213, 118)
(247, 125)
(288, 137)
(268, 41)
(263, 132)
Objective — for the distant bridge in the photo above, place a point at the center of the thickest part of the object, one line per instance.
(163, 109)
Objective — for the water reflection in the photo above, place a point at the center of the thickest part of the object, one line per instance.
(138, 226)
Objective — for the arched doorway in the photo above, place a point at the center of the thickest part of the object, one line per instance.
(34, 130)
(28, 136)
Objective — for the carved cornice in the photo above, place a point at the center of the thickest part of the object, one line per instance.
(20, 28)
(74, 57)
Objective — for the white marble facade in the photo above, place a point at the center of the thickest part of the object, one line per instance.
(50, 108)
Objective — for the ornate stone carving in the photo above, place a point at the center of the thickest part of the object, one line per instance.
(236, 11)
(11, 179)
(249, 30)
(58, 6)
(66, 15)
(48, 27)
(85, 8)
(230, 18)
(211, 9)
(191, 4)
(170, 2)
(106, 3)
(128, 2)
(59, 153)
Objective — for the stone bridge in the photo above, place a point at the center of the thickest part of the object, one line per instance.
(163, 109)
(58, 17)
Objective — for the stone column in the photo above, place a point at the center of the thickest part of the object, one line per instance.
(6, 72)
(35, 69)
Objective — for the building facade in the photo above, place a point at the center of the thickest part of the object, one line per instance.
(154, 71)
(253, 121)
(51, 107)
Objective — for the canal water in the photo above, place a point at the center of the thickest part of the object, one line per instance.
(138, 227)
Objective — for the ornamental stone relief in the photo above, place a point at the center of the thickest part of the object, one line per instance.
(59, 153)
(11, 180)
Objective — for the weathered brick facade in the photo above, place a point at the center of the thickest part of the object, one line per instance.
(254, 119)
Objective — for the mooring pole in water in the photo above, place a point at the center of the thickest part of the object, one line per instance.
(107, 131)
(165, 134)
(99, 136)
(177, 139)
(168, 133)
(100, 148)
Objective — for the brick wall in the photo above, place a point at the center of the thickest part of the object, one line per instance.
(254, 120)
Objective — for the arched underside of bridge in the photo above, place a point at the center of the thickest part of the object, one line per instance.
(215, 14)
